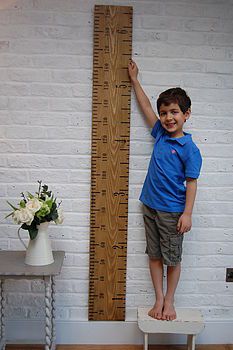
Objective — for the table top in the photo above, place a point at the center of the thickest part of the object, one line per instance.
(12, 264)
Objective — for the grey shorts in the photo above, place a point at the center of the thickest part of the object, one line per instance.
(162, 239)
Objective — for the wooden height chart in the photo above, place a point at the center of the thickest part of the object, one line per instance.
(110, 162)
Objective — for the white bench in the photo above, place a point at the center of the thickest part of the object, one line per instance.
(188, 321)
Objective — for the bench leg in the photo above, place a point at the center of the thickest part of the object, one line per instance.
(145, 341)
(191, 342)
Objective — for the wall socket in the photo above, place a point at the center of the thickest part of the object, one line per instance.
(229, 274)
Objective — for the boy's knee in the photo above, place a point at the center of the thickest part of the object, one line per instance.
(155, 260)
(174, 267)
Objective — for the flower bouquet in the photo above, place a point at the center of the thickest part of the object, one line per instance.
(36, 209)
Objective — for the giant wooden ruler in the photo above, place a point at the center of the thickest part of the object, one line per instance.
(110, 162)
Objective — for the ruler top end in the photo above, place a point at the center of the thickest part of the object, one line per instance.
(119, 9)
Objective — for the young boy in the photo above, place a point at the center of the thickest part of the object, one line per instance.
(167, 203)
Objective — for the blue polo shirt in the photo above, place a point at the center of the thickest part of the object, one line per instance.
(172, 161)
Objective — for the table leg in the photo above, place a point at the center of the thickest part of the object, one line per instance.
(48, 323)
(2, 315)
(53, 293)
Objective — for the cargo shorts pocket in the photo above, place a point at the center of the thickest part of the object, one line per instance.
(175, 248)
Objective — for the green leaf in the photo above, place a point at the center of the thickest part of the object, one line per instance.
(32, 232)
(45, 188)
(36, 221)
(25, 227)
(22, 204)
(32, 229)
(54, 216)
(12, 206)
(49, 203)
(9, 215)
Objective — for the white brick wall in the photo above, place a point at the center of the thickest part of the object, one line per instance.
(45, 117)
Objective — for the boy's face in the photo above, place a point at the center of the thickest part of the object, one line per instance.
(173, 119)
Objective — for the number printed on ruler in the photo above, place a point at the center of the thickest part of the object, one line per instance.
(110, 162)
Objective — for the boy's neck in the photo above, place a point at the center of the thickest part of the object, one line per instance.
(178, 135)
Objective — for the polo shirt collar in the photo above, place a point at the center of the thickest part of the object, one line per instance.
(181, 140)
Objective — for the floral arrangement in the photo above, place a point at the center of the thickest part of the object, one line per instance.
(35, 209)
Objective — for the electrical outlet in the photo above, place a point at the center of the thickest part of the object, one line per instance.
(229, 274)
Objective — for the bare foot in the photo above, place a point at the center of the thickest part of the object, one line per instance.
(157, 310)
(169, 312)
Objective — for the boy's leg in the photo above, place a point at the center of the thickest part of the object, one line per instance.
(173, 276)
(155, 260)
(156, 271)
(171, 249)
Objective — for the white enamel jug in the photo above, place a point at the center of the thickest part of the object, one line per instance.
(39, 251)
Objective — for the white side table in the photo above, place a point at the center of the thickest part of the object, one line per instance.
(12, 266)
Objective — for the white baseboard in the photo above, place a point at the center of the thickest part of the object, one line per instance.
(78, 332)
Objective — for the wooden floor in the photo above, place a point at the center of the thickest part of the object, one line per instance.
(120, 347)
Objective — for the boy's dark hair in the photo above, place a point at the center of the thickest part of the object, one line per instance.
(174, 95)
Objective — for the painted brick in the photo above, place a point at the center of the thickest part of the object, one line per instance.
(45, 116)
(26, 103)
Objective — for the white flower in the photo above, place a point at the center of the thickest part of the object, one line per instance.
(23, 216)
(34, 205)
(60, 218)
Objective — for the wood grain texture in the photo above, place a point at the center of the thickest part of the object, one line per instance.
(110, 162)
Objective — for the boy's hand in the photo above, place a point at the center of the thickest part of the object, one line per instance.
(133, 70)
(184, 223)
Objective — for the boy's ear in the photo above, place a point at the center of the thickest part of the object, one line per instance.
(187, 114)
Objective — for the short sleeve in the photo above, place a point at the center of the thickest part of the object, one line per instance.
(157, 129)
(193, 165)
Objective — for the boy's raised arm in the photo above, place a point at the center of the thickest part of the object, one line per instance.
(143, 100)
